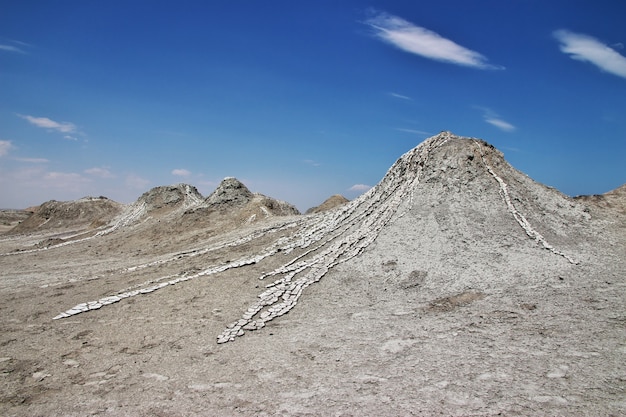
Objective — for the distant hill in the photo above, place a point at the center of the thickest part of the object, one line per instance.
(330, 203)
(232, 195)
(87, 213)
(10, 218)
(614, 200)
(165, 199)
(159, 211)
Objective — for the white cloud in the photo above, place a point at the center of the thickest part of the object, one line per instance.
(5, 147)
(312, 162)
(586, 48)
(66, 180)
(136, 182)
(421, 41)
(494, 119)
(417, 132)
(53, 175)
(33, 160)
(99, 172)
(31, 184)
(400, 96)
(44, 122)
(181, 172)
(500, 124)
(360, 187)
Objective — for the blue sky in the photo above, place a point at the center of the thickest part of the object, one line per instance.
(301, 99)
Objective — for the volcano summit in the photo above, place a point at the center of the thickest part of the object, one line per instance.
(457, 286)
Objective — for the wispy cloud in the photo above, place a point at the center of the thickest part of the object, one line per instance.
(27, 176)
(500, 124)
(10, 45)
(587, 48)
(30, 184)
(400, 96)
(33, 160)
(421, 41)
(181, 172)
(494, 119)
(360, 187)
(11, 48)
(311, 162)
(5, 147)
(99, 172)
(136, 182)
(45, 123)
(417, 132)
(508, 148)
(69, 180)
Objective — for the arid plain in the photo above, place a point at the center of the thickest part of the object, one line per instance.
(456, 286)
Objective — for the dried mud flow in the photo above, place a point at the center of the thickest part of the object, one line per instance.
(456, 286)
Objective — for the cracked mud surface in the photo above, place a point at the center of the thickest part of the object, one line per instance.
(431, 299)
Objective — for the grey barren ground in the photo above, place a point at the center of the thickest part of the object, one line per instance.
(456, 286)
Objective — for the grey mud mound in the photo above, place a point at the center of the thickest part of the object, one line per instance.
(272, 207)
(86, 213)
(329, 204)
(10, 218)
(233, 197)
(231, 192)
(456, 286)
(169, 197)
(613, 202)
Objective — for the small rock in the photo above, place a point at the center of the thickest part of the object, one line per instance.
(442, 384)
(71, 362)
(561, 372)
(158, 377)
(200, 387)
(40, 376)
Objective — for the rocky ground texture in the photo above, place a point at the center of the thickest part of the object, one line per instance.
(456, 286)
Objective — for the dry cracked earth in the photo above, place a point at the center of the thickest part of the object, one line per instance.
(457, 286)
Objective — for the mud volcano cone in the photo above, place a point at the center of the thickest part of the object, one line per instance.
(450, 202)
